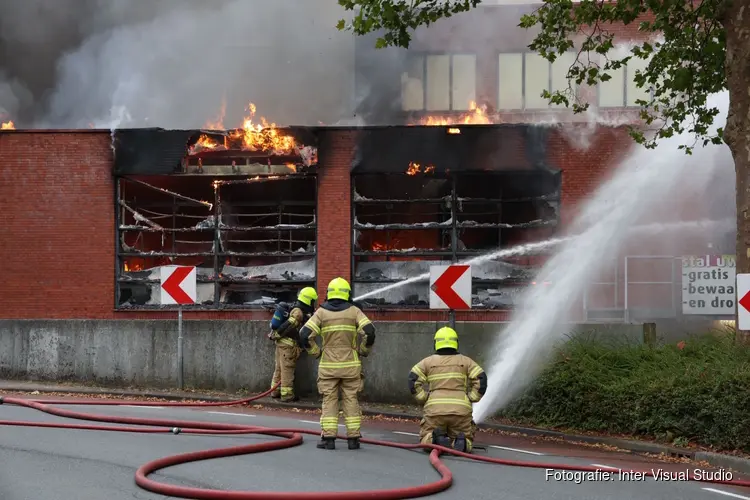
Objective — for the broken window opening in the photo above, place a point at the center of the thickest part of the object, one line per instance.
(252, 240)
(405, 223)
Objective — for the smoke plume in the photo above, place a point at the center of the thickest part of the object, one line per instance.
(171, 63)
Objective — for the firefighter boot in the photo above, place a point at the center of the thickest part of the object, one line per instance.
(275, 394)
(440, 438)
(459, 444)
(327, 443)
(353, 443)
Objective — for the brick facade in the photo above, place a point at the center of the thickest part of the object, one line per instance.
(58, 246)
(58, 206)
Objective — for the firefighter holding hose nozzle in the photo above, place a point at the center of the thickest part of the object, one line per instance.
(455, 382)
(285, 333)
(346, 334)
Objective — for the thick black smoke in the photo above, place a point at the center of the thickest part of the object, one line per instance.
(171, 63)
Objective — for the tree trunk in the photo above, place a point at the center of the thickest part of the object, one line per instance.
(736, 21)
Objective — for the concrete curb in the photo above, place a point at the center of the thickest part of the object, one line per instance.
(722, 461)
(719, 460)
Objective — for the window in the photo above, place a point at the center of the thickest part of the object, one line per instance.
(621, 90)
(439, 82)
(404, 223)
(522, 77)
(261, 251)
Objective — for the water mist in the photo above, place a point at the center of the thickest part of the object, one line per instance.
(636, 192)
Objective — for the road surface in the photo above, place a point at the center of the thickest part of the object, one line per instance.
(50, 464)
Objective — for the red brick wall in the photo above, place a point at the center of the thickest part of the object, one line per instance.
(583, 169)
(334, 206)
(57, 253)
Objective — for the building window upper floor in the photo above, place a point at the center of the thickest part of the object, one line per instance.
(522, 77)
(439, 82)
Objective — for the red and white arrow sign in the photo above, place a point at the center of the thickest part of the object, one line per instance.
(178, 285)
(743, 301)
(450, 287)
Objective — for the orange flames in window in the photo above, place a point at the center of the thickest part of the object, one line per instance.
(132, 266)
(260, 136)
(477, 115)
(415, 168)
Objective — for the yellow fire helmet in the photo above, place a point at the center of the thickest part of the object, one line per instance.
(446, 337)
(307, 295)
(339, 288)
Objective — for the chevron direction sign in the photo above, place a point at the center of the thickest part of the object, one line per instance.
(450, 287)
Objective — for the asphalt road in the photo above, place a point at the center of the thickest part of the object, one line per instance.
(51, 464)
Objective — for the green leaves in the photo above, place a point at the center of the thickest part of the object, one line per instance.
(397, 18)
(685, 51)
(697, 393)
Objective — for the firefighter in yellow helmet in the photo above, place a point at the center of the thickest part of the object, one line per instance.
(455, 382)
(346, 334)
(286, 337)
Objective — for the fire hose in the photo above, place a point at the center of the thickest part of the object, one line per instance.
(291, 437)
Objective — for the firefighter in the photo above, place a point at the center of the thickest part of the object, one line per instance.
(455, 382)
(286, 337)
(346, 334)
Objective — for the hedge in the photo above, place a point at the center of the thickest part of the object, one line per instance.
(696, 391)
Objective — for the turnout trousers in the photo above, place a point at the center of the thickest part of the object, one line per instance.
(285, 364)
(329, 419)
(452, 424)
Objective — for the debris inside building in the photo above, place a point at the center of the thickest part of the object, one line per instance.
(426, 196)
(240, 205)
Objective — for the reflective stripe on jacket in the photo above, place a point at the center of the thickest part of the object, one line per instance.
(455, 382)
(342, 341)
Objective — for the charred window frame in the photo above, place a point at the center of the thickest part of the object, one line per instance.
(489, 210)
(263, 250)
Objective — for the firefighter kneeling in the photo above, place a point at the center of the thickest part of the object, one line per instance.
(455, 382)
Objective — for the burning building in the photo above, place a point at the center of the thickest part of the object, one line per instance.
(461, 157)
(464, 157)
(240, 205)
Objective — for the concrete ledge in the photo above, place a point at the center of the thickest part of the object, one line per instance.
(225, 355)
(718, 460)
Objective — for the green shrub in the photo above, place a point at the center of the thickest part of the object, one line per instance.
(699, 393)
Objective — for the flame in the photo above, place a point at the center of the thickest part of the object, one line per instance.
(206, 142)
(409, 241)
(454, 130)
(133, 266)
(477, 115)
(415, 168)
(7, 125)
(292, 167)
(260, 136)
